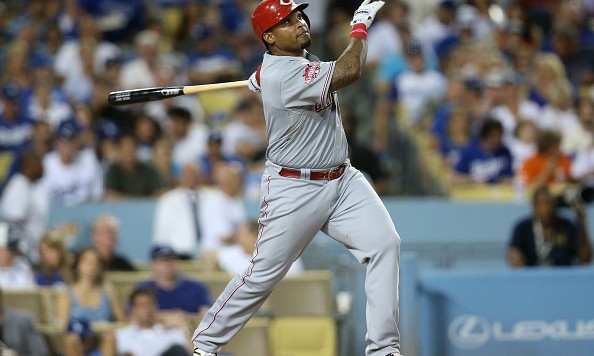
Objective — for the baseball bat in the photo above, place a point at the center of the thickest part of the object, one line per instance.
(134, 96)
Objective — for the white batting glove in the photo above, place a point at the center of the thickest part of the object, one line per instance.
(253, 84)
(366, 12)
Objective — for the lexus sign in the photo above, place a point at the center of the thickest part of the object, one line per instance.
(471, 331)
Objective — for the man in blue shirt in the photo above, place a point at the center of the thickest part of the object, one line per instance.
(487, 160)
(180, 299)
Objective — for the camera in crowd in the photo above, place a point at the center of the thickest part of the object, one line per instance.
(576, 195)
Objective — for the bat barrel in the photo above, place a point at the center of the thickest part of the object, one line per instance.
(126, 97)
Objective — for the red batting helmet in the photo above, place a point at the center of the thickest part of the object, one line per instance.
(271, 12)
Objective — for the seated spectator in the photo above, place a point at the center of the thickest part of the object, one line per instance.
(25, 203)
(15, 128)
(146, 131)
(54, 262)
(188, 136)
(104, 236)
(523, 143)
(213, 156)
(486, 161)
(181, 300)
(457, 136)
(179, 215)
(549, 165)
(129, 177)
(19, 333)
(224, 209)
(80, 340)
(245, 135)
(15, 270)
(162, 160)
(71, 174)
(548, 239)
(88, 296)
(146, 336)
(236, 258)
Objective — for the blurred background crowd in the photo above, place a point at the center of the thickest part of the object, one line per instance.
(456, 95)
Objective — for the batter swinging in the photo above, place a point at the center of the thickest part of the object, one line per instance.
(308, 184)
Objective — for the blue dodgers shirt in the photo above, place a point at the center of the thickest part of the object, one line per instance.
(188, 295)
(489, 167)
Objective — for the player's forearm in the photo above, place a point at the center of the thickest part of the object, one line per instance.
(349, 65)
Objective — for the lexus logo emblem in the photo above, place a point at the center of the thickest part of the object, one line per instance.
(469, 331)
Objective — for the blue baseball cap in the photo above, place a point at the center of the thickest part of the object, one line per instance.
(80, 327)
(107, 129)
(68, 129)
(161, 251)
(11, 91)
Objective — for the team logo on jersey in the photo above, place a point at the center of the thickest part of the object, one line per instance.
(286, 2)
(311, 72)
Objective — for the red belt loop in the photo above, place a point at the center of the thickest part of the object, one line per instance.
(317, 175)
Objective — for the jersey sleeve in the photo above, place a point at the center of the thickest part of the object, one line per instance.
(307, 84)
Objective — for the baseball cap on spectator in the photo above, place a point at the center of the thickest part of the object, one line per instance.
(447, 4)
(11, 92)
(162, 251)
(413, 47)
(80, 327)
(215, 136)
(68, 129)
(107, 130)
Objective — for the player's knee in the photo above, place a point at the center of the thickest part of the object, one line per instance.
(391, 244)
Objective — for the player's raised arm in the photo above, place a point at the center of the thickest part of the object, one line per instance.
(350, 63)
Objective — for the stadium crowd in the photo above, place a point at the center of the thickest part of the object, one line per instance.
(499, 92)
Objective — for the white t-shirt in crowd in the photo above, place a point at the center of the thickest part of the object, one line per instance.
(383, 40)
(224, 214)
(415, 90)
(188, 149)
(79, 182)
(26, 203)
(18, 275)
(155, 341)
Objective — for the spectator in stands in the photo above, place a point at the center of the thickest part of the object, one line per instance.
(362, 157)
(25, 203)
(129, 177)
(104, 236)
(224, 209)
(548, 72)
(180, 214)
(236, 258)
(383, 36)
(210, 61)
(419, 85)
(189, 137)
(141, 71)
(523, 143)
(89, 296)
(46, 105)
(19, 333)
(107, 133)
(146, 336)
(213, 156)
(548, 239)
(120, 19)
(438, 25)
(549, 165)
(487, 161)
(68, 63)
(41, 142)
(15, 128)
(180, 299)
(162, 160)
(559, 115)
(513, 106)
(146, 131)
(457, 137)
(80, 340)
(245, 135)
(72, 175)
(54, 262)
(15, 270)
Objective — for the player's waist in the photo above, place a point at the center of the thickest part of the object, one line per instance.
(312, 173)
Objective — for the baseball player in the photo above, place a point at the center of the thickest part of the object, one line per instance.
(308, 183)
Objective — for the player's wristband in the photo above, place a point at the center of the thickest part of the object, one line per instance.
(359, 30)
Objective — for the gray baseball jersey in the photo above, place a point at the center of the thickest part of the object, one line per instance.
(302, 118)
(305, 134)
